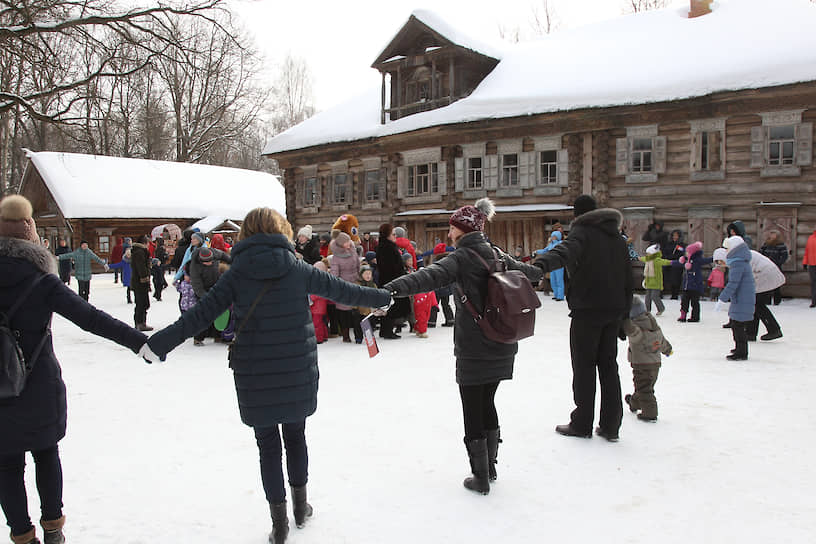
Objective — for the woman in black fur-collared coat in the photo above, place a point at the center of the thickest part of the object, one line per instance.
(35, 420)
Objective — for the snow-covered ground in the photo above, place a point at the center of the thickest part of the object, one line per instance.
(157, 453)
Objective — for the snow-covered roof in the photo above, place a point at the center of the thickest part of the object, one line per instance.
(212, 222)
(97, 186)
(499, 209)
(642, 58)
(455, 35)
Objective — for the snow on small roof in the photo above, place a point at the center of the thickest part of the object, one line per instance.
(460, 38)
(212, 222)
(499, 209)
(647, 57)
(98, 186)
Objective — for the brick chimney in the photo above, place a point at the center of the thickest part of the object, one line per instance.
(699, 7)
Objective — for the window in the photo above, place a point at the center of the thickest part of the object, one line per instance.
(423, 179)
(510, 170)
(103, 244)
(372, 186)
(340, 188)
(310, 192)
(710, 151)
(474, 173)
(707, 153)
(641, 160)
(781, 144)
(549, 168)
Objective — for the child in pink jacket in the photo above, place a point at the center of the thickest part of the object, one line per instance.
(423, 302)
(716, 279)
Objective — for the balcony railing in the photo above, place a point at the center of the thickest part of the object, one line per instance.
(416, 107)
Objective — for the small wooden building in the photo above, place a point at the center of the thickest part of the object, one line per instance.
(99, 199)
(642, 112)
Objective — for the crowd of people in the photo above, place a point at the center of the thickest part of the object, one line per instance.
(274, 296)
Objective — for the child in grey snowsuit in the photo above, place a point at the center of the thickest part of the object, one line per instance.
(646, 343)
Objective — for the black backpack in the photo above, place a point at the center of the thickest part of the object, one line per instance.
(510, 305)
(14, 368)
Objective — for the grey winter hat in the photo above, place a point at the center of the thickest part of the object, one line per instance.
(399, 232)
(638, 307)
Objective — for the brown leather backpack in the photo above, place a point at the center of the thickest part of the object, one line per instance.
(510, 305)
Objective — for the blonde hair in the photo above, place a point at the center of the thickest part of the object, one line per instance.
(264, 220)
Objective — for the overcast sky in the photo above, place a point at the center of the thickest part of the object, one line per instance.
(340, 39)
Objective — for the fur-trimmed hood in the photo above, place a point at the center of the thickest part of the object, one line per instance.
(38, 256)
(608, 219)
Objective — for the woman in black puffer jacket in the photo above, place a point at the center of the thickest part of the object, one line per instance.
(35, 420)
(480, 363)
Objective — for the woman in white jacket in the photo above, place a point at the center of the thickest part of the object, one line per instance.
(767, 278)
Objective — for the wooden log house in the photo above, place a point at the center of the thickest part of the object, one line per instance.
(101, 199)
(711, 135)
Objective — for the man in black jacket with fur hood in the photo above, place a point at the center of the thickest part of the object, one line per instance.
(599, 296)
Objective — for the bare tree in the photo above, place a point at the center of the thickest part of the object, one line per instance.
(545, 20)
(292, 92)
(636, 6)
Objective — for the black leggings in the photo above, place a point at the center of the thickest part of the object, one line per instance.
(13, 492)
(479, 409)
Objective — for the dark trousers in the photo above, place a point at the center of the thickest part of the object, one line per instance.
(739, 330)
(141, 297)
(764, 314)
(594, 344)
(444, 301)
(331, 313)
(116, 273)
(84, 288)
(776, 296)
(13, 492)
(479, 409)
(297, 458)
(691, 298)
(812, 274)
(644, 378)
(673, 280)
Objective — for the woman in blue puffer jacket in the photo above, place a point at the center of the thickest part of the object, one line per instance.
(274, 357)
(741, 292)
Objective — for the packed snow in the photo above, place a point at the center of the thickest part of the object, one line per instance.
(647, 57)
(86, 186)
(157, 453)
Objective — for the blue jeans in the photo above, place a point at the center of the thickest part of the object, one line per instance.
(13, 492)
(297, 458)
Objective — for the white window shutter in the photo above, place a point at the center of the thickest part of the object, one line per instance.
(659, 148)
(563, 167)
(527, 171)
(442, 171)
(804, 144)
(402, 181)
(758, 146)
(491, 172)
(459, 169)
(621, 156)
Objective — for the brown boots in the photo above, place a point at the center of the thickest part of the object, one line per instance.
(53, 533)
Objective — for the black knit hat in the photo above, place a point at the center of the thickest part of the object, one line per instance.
(583, 204)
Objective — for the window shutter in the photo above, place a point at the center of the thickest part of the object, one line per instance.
(442, 171)
(402, 180)
(621, 156)
(383, 183)
(758, 146)
(490, 172)
(319, 192)
(300, 190)
(527, 169)
(696, 151)
(563, 167)
(715, 162)
(804, 144)
(659, 147)
(459, 174)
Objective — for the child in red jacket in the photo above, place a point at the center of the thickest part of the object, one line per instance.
(423, 302)
(319, 308)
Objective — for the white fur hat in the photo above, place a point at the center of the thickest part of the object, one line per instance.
(16, 219)
(652, 249)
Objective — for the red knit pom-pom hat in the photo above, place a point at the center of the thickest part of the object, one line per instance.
(473, 218)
